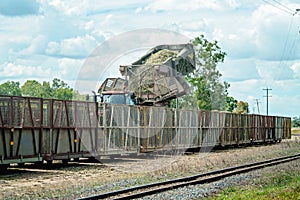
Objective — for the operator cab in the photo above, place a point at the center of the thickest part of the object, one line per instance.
(118, 98)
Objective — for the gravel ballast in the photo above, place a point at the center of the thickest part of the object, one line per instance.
(83, 180)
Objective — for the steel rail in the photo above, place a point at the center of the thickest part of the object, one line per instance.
(153, 188)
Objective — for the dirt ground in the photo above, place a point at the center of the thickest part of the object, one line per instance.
(77, 180)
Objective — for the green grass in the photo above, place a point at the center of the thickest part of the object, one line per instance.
(278, 187)
(295, 130)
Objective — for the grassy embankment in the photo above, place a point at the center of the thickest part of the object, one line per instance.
(282, 185)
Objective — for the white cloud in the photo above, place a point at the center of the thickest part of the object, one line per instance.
(89, 25)
(233, 3)
(107, 20)
(237, 70)
(69, 68)
(73, 47)
(273, 29)
(296, 69)
(237, 43)
(261, 48)
(167, 5)
(273, 70)
(199, 5)
(37, 45)
(138, 10)
(200, 24)
(16, 35)
(283, 93)
(290, 104)
(15, 70)
(91, 7)
(70, 7)
(53, 48)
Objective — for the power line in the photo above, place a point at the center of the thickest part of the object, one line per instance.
(288, 54)
(284, 6)
(285, 47)
(293, 47)
(267, 96)
(281, 8)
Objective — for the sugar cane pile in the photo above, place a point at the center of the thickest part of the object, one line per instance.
(160, 56)
(142, 77)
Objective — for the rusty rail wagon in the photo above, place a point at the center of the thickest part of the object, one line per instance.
(43, 130)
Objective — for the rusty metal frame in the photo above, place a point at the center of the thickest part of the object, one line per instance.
(19, 114)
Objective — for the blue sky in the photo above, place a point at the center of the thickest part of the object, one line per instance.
(43, 39)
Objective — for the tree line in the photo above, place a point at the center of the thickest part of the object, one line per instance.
(57, 89)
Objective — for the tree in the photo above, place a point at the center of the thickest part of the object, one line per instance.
(61, 90)
(231, 104)
(47, 91)
(32, 88)
(207, 89)
(10, 88)
(58, 90)
(296, 122)
(242, 107)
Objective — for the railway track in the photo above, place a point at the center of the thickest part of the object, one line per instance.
(154, 188)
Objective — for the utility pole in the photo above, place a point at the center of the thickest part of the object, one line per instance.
(267, 96)
(257, 105)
